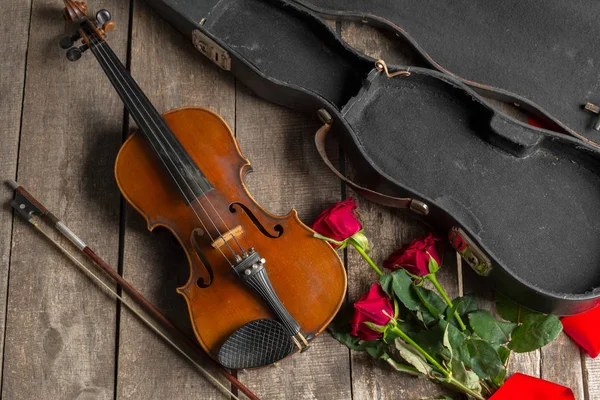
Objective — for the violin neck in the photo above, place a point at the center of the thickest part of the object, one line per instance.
(181, 168)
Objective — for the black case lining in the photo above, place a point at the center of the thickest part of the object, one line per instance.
(545, 52)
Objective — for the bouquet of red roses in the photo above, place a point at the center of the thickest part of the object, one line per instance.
(425, 333)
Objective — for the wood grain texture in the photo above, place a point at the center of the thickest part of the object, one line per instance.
(172, 74)
(60, 336)
(288, 173)
(563, 356)
(14, 21)
(591, 374)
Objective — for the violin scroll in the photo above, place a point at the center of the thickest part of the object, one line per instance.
(97, 27)
(75, 11)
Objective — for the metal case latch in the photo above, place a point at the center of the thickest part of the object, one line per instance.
(470, 252)
(211, 49)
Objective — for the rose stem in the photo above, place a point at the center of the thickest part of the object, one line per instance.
(432, 360)
(425, 354)
(465, 389)
(365, 256)
(433, 279)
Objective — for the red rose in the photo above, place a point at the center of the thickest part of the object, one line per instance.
(524, 387)
(339, 221)
(414, 257)
(375, 307)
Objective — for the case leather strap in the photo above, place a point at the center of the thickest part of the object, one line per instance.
(371, 195)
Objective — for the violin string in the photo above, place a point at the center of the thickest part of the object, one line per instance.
(97, 46)
(98, 42)
(133, 309)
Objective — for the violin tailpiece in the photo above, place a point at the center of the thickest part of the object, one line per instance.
(258, 343)
(252, 272)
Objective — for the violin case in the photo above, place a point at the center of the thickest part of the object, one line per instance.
(521, 204)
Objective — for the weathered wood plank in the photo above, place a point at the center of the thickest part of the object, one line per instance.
(288, 173)
(172, 74)
(591, 372)
(14, 21)
(60, 336)
(560, 356)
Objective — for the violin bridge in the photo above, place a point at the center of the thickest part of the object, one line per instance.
(227, 236)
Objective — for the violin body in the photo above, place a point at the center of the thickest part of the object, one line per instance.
(305, 272)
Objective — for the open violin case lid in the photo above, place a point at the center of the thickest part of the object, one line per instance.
(521, 204)
(541, 54)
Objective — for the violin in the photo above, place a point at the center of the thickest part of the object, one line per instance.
(260, 286)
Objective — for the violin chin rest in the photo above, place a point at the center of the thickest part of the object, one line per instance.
(256, 344)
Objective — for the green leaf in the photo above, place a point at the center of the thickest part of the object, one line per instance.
(432, 302)
(345, 338)
(536, 331)
(456, 338)
(401, 285)
(462, 306)
(483, 359)
(377, 350)
(511, 311)
(446, 342)
(504, 353)
(386, 284)
(467, 378)
(412, 357)
(430, 340)
(499, 380)
(487, 327)
(402, 367)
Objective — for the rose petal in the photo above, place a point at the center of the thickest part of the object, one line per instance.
(524, 387)
(584, 329)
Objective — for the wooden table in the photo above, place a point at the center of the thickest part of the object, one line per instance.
(62, 126)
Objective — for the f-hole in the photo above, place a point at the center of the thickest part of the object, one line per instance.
(196, 234)
(277, 228)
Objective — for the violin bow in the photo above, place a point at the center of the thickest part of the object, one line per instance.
(32, 210)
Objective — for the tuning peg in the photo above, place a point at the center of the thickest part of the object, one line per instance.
(68, 41)
(74, 53)
(102, 17)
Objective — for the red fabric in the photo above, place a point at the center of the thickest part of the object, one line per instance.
(338, 222)
(584, 329)
(414, 257)
(524, 387)
(374, 307)
(533, 121)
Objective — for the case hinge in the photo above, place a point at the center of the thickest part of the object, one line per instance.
(470, 252)
(211, 49)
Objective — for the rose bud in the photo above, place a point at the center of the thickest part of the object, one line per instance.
(374, 307)
(414, 257)
(340, 222)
